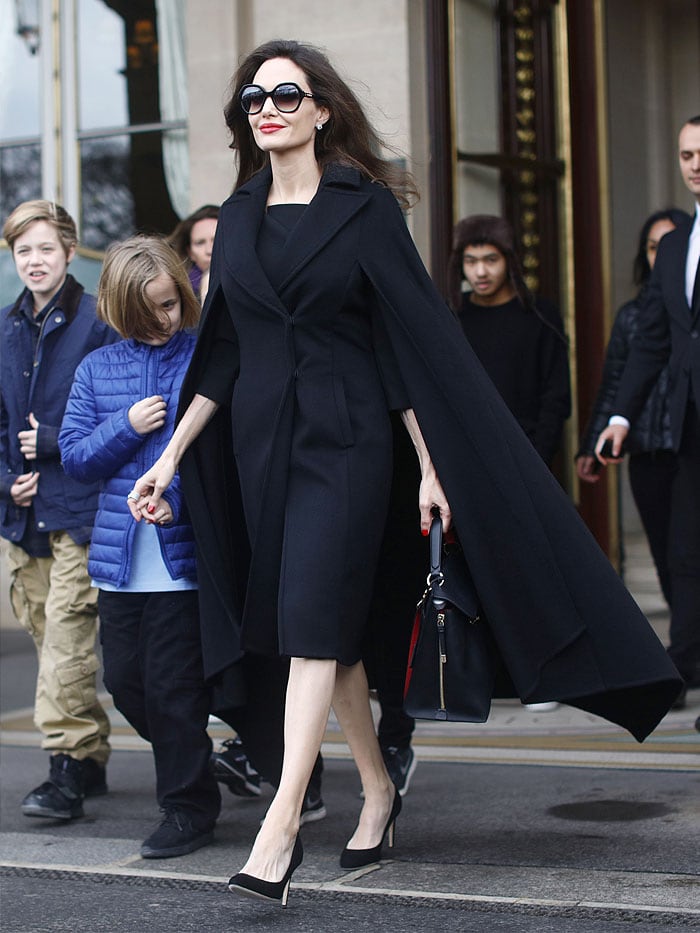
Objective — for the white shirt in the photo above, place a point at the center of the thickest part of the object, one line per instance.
(691, 263)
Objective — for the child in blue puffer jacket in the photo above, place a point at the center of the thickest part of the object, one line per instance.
(119, 417)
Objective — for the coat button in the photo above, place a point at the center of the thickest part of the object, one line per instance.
(41, 524)
(694, 334)
(25, 373)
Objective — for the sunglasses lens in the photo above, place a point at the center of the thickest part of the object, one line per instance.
(287, 98)
(252, 99)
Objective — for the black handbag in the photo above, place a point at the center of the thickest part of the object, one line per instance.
(451, 667)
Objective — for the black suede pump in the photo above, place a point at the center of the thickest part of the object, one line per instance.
(357, 858)
(250, 886)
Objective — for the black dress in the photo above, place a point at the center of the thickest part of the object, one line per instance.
(330, 486)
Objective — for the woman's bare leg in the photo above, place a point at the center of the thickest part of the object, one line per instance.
(312, 685)
(352, 709)
(309, 693)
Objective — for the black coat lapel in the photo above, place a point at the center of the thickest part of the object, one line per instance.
(241, 217)
(336, 201)
(338, 198)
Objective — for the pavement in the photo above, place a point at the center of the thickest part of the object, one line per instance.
(532, 821)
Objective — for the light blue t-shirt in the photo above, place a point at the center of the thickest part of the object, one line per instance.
(148, 571)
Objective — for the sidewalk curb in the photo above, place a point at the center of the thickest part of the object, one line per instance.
(583, 910)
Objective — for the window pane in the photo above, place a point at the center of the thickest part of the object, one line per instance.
(20, 176)
(107, 201)
(102, 90)
(123, 189)
(477, 104)
(19, 87)
(477, 94)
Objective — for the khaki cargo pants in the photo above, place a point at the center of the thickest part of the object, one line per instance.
(53, 600)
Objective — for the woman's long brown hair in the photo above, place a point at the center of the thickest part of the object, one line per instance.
(347, 137)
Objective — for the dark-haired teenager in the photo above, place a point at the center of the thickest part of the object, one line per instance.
(518, 338)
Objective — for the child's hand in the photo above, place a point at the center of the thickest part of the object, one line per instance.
(162, 516)
(148, 415)
(24, 489)
(27, 439)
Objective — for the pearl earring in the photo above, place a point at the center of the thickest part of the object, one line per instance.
(319, 126)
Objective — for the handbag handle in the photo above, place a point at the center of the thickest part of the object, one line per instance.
(435, 577)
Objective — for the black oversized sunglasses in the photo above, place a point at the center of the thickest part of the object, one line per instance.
(286, 97)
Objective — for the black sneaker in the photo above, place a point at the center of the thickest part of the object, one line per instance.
(175, 835)
(313, 808)
(61, 797)
(94, 778)
(232, 768)
(400, 763)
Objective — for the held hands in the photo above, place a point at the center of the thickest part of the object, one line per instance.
(27, 439)
(616, 434)
(145, 501)
(24, 489)
(148, 415)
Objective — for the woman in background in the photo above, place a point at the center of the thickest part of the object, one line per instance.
(652, 461)
(193, 241)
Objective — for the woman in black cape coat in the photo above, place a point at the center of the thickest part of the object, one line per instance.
(289, 508)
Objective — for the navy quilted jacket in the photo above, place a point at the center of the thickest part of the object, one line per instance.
(98, 442)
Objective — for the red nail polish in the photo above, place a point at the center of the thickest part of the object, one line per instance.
(151, 509)
(424, 532)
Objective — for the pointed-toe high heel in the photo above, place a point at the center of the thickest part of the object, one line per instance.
(250, 886)
(357, 858)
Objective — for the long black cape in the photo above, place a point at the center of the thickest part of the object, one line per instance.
(565, 626)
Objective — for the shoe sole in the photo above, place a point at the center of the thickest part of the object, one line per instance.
(313, 816)
(173, 852)
(98, 791)
(237, 784)
(252, 895)
(47, 814)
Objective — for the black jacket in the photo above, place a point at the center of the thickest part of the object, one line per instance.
(669, 334)
(651, 430)
(565, 625)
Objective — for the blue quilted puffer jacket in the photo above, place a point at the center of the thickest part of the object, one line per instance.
(97, 442)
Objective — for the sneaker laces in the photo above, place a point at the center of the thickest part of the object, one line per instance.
(66, 774)
(173, 816)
